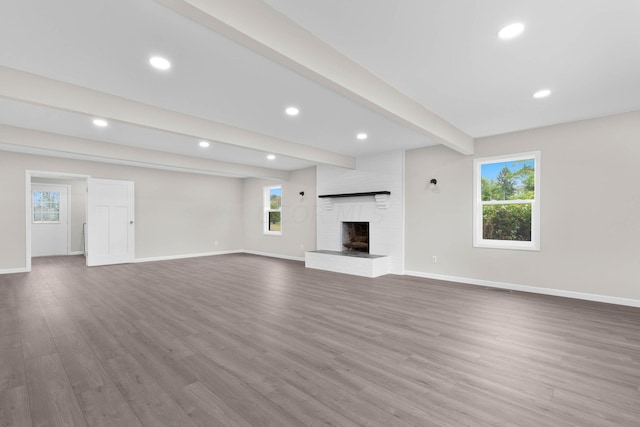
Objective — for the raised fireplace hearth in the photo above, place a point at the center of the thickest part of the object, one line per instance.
(355, 237)
(356, 263)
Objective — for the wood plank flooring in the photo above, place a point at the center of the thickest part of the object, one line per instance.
(242, 340)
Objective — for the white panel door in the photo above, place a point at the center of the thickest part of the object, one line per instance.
(49, 220)
(110, 222)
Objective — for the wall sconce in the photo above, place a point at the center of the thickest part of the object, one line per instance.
(301, 195)
(433, 185)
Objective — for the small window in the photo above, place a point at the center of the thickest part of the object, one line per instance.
(273, 210)
(507, 202)
(46, 207)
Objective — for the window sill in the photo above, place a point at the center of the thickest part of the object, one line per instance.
(506, 244)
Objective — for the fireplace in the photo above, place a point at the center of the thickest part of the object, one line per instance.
(355, 237)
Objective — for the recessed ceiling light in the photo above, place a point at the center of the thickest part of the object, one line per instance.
(204, 144)
(543, 93)
(160, 63)
(271, 156)
(292, 111)
(510, 31)
(100, 123)
(362, 136)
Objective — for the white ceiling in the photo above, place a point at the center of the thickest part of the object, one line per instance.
(443, 54)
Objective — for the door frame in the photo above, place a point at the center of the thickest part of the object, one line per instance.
(42, 174)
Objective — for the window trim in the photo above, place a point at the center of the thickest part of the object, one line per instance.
(478, 240)
(267, 209)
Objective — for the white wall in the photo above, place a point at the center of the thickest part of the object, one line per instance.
(382, 172)
(298, 215)
(176, 213)
(78, 213)
(183, 214)
(590, 210)
(590, 207)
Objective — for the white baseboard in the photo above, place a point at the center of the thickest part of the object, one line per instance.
(526, 288)
(184, 256)
(267, 254)
(13, 270)
(76, 253)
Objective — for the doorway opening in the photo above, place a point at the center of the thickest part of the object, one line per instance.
(56, 208)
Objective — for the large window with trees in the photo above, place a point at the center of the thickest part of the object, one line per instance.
(507, 202)
(273, 210)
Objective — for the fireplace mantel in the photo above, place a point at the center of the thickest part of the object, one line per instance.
(370, 193)
(382, 198)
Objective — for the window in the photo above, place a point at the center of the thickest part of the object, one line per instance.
(46, 207)
(273, 210)
(507, 202)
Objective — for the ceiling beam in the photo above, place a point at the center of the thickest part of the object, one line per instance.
(30, 88)
(30, 141)
(256, 25)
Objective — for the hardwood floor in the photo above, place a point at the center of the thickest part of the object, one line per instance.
(241, 340)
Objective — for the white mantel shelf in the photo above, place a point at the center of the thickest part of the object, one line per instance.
(382, 198)
(358, 264)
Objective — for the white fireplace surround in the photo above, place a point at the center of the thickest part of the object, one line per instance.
(386, 223)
